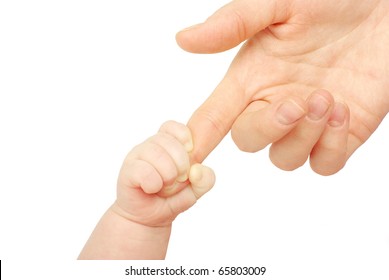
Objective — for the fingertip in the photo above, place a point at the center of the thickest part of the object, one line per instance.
(327, 160)
(290, 111)
(179, 131)
(195, 173)
(340, 114)
(330, 154)
(202, 179)
(186, 39)
(223, 30)
(145, 176)
(293, 150)
(173, 189)
(199, 173)
(327, 169)
(182, 178)
(189, 144)
(319, 104)
(284, 163)
(195, 39)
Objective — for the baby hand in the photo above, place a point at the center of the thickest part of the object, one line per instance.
(157, 181)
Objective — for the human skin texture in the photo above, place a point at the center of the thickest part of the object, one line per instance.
(310, 79)
(155, 184)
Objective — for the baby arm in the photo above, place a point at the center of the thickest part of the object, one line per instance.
(155, 184)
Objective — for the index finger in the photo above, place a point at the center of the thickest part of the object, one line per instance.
(215, 117)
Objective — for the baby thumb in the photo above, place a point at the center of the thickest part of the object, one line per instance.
(202, 179)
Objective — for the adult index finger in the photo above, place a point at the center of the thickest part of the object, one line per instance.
(215, 117)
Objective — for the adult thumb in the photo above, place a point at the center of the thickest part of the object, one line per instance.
(231, 25)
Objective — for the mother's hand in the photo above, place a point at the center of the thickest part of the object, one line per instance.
(293, 48)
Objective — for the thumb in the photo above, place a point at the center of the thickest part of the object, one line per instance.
(231, 25)
(215, 117)
(202, 179)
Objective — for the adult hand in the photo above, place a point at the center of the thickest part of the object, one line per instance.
(294, 47)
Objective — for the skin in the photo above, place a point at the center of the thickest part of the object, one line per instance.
(310, 79)
(138, 224)
(269, 96)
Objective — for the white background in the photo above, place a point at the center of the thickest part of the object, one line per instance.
(82, 82)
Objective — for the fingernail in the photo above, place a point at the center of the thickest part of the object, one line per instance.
(318, 106)
(289, 112)
(338, 116)
(195, 173)
(182, 178)
(188, 146)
